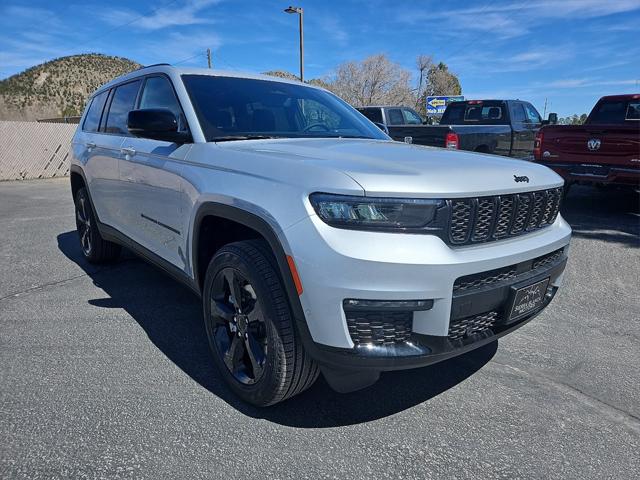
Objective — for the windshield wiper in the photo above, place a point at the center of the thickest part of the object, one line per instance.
(231, 138)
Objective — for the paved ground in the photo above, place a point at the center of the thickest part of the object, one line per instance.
(104, 372)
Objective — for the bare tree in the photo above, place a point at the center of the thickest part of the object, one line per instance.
(374, 80)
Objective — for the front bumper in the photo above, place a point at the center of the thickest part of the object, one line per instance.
(335, 265)
(422, 350)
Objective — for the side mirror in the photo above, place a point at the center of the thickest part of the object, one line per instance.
(382, 127)
(553, 118)
(157, 124)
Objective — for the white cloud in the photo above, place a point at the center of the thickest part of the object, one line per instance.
(172, 14)
(514, 18)
(587, 82)
(333, 28)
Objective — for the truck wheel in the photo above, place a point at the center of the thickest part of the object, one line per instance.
(94, 248)
(250, 326)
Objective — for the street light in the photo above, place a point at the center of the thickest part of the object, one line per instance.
(300, 12)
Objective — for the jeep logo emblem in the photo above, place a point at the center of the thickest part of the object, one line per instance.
(594, 144)
(522, 178)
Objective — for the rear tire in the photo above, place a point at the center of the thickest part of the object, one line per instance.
(94, 248)
(250, 326)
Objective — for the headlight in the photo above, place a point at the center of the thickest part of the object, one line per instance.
(371, 213)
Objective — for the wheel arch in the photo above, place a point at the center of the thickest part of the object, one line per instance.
(249, 224)
(78, 180)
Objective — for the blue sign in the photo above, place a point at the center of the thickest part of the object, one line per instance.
(437, 105)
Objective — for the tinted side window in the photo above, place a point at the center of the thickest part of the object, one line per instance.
(123, 102)
(517, 113)
(411, 117)
(394, 116)
(373, 114)
(532, 114)
(92, 120)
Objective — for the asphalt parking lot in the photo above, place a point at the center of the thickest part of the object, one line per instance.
(105, 372)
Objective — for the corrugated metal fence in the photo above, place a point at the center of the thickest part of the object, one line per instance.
(34, 150)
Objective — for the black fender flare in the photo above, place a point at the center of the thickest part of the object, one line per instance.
(261, 226)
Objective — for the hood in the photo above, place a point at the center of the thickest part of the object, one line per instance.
(397, 169)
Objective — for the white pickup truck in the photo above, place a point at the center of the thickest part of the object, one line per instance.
(317, 244)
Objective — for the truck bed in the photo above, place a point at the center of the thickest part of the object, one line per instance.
(479, 138)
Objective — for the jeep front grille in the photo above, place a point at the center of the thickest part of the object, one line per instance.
(485, 219)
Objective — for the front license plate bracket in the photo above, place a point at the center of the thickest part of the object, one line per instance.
(527, 299)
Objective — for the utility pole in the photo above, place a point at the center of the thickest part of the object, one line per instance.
(544, 114)
(209, 57)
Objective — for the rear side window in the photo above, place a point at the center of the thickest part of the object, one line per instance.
(394, 117)
(518, 113)
(92, 120)
(373, 114)
(124, 100)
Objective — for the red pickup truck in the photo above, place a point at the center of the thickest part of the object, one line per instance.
(603, 151)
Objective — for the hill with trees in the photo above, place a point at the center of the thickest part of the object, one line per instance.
(59, 87)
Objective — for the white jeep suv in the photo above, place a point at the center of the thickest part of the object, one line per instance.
(316, 243)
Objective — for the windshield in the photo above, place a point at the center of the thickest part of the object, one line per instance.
(240, 108)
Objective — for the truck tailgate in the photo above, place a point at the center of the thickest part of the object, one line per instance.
(615, 145)
(431, 135)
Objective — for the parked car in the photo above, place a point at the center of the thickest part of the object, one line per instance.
(500, 127)
(315, 242)
(603, 151)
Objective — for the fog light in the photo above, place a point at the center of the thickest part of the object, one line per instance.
(388, 305)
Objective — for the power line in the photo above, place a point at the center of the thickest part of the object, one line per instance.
(104, 34)
(188, 58)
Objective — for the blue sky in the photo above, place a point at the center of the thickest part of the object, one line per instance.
(569, 51)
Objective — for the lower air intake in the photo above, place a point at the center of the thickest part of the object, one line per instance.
(375, 328)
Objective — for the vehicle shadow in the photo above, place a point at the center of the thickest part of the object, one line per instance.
(171, 316)
(608, 215)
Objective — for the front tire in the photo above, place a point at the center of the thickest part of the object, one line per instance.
(94, 248)
(250, 326)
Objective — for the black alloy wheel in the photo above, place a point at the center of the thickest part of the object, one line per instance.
(239, 329)
(250, 326)
(83, 224)
(94, 248)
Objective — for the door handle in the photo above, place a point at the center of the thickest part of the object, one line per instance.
(129, 152)
(90, 145)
